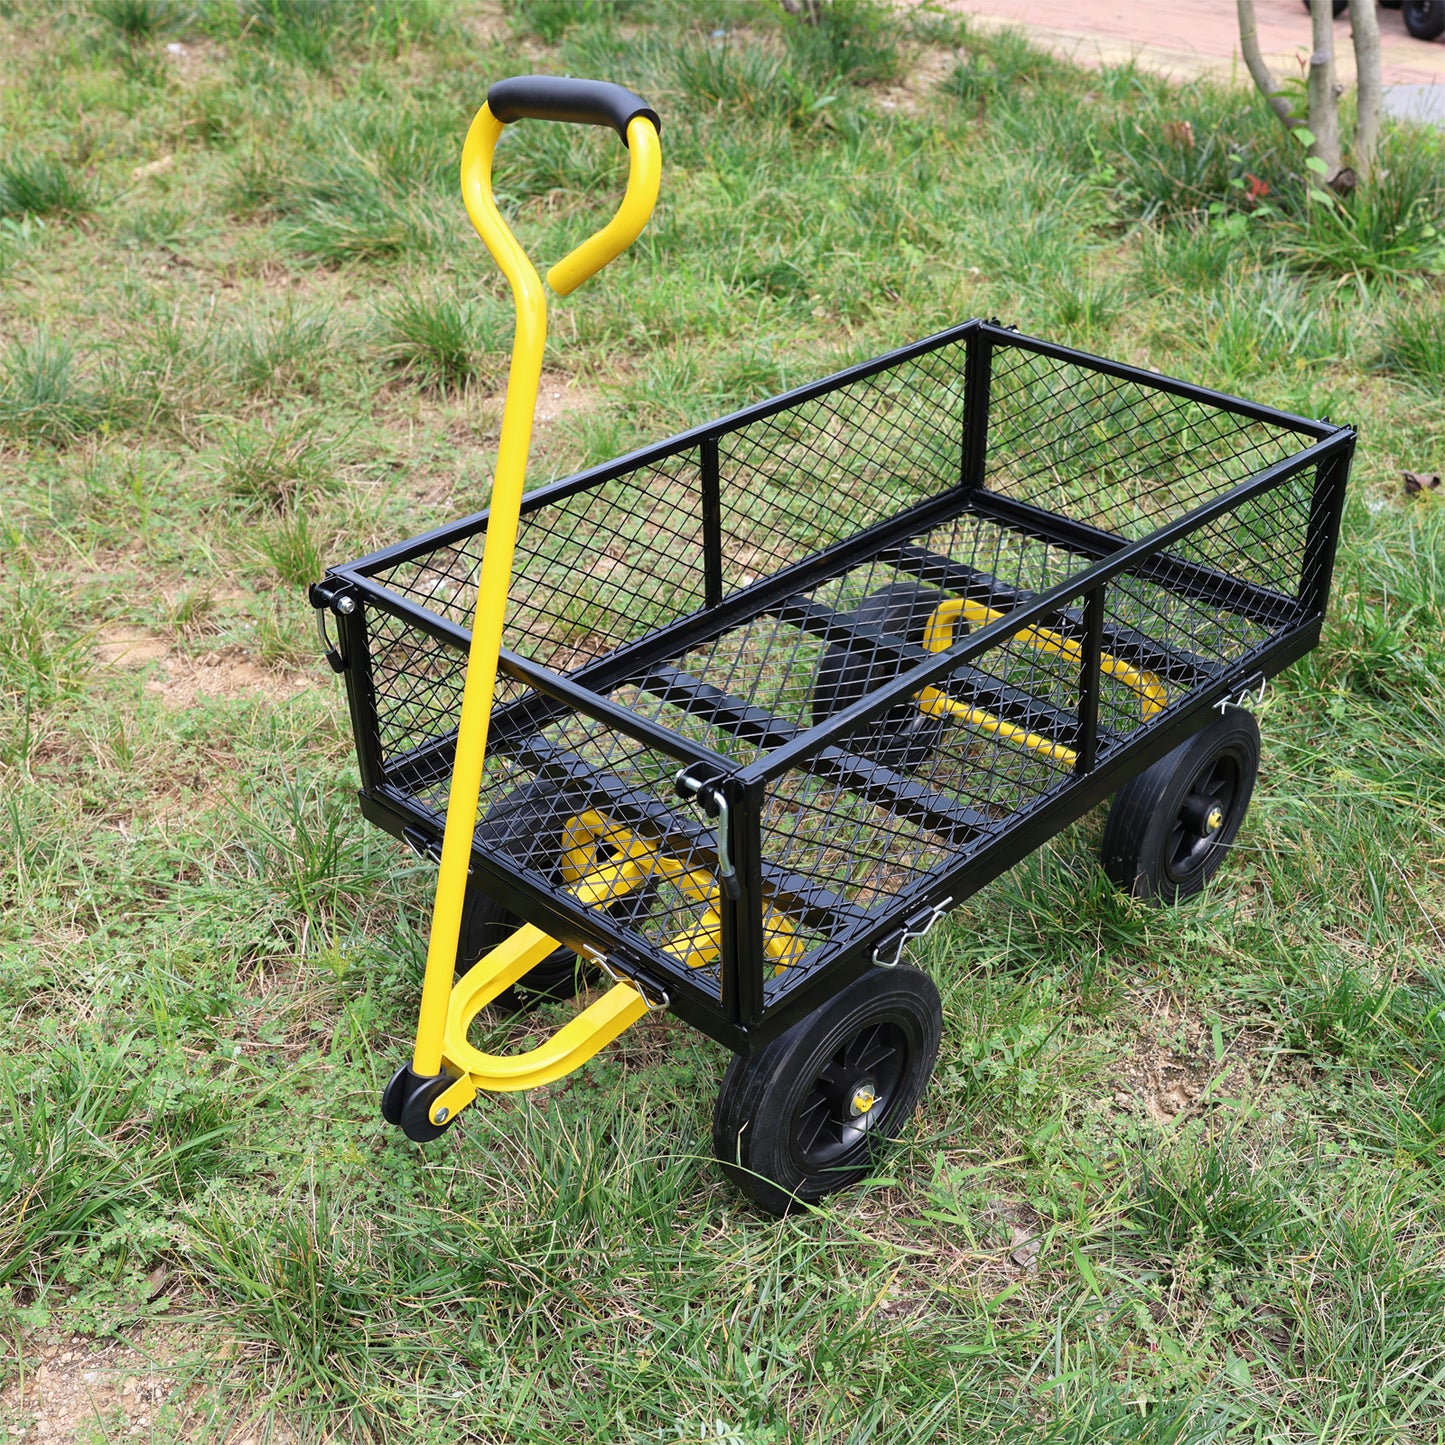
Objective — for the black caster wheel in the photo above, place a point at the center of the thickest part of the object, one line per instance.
(394, 1095)
(1391, 4)
(904, 737)
(1424, 19)
(407, 1099)
(1340, 5)
(1169, 828)
(529, 825)
(816, 1109)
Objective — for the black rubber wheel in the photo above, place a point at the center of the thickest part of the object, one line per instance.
(1424, 19)
(1338, 4)
(816, 1109)
(393, 1096)
(1169, 828)
(1392, 4)
(904, 737)
(529, 823)
(407, 1100)
(415, 1121)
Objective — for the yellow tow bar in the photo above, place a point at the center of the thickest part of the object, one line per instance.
(938, 637)
(447, 1010)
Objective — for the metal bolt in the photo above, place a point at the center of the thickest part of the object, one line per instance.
(440, 1117)
(346, 605)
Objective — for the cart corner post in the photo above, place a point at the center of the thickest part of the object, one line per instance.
(1322, 535)
(743, 932)
(1090, 675)
(977, 379)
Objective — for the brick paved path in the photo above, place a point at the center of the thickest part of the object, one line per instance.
(1191, 37)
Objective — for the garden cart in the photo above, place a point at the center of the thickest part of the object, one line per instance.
(731, 720)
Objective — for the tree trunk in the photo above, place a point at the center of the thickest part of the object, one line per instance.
(1258, 70)
(1366, 30)
(1324, 94)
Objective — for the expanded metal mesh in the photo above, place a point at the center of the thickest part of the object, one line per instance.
(1111, 452)
(825, 469)
(592, 572)
(577, 795)
(898, 799)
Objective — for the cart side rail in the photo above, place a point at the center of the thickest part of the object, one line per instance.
(1125, 559)
(620, 551)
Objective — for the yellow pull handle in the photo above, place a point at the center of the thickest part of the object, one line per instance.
(644, 180)
(546, 97)
(568, 1049)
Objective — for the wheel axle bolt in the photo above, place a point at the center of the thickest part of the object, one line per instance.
(440, 1117)
(1215, 821)
(864, 1100)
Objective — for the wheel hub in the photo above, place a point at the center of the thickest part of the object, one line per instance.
(852, 1095)
(1202, 814)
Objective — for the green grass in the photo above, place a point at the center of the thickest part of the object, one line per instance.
(441, 341)
(1412, 342)
(274, 464)
(137, 20)
(42, 186)
(1180, 1176)
(46, 394)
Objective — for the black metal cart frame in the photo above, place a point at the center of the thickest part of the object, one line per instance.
(669, 609)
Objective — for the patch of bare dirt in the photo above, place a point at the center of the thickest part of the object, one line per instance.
(560, 395)
(487, 22)
(925, 73)
(182, 681)
(127, 647)
(227, 674)
(84, 1387)
(82, 1390)
(1161, 1083)
(191, 60)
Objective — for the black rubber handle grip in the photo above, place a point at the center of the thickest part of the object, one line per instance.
(556, 97)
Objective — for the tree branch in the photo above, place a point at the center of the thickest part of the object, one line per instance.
(1324, 94)
(1258, 70)
(1366, 33)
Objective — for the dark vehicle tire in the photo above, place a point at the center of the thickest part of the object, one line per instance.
(1338, 4)
(819, 1107)
(904, 736)
(1391, 4)
(1424, 19)
(529, 823)
(1169, 828)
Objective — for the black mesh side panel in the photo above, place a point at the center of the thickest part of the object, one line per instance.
(802, 479)
(1114, 453)
(594, 571)
(534, 792)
